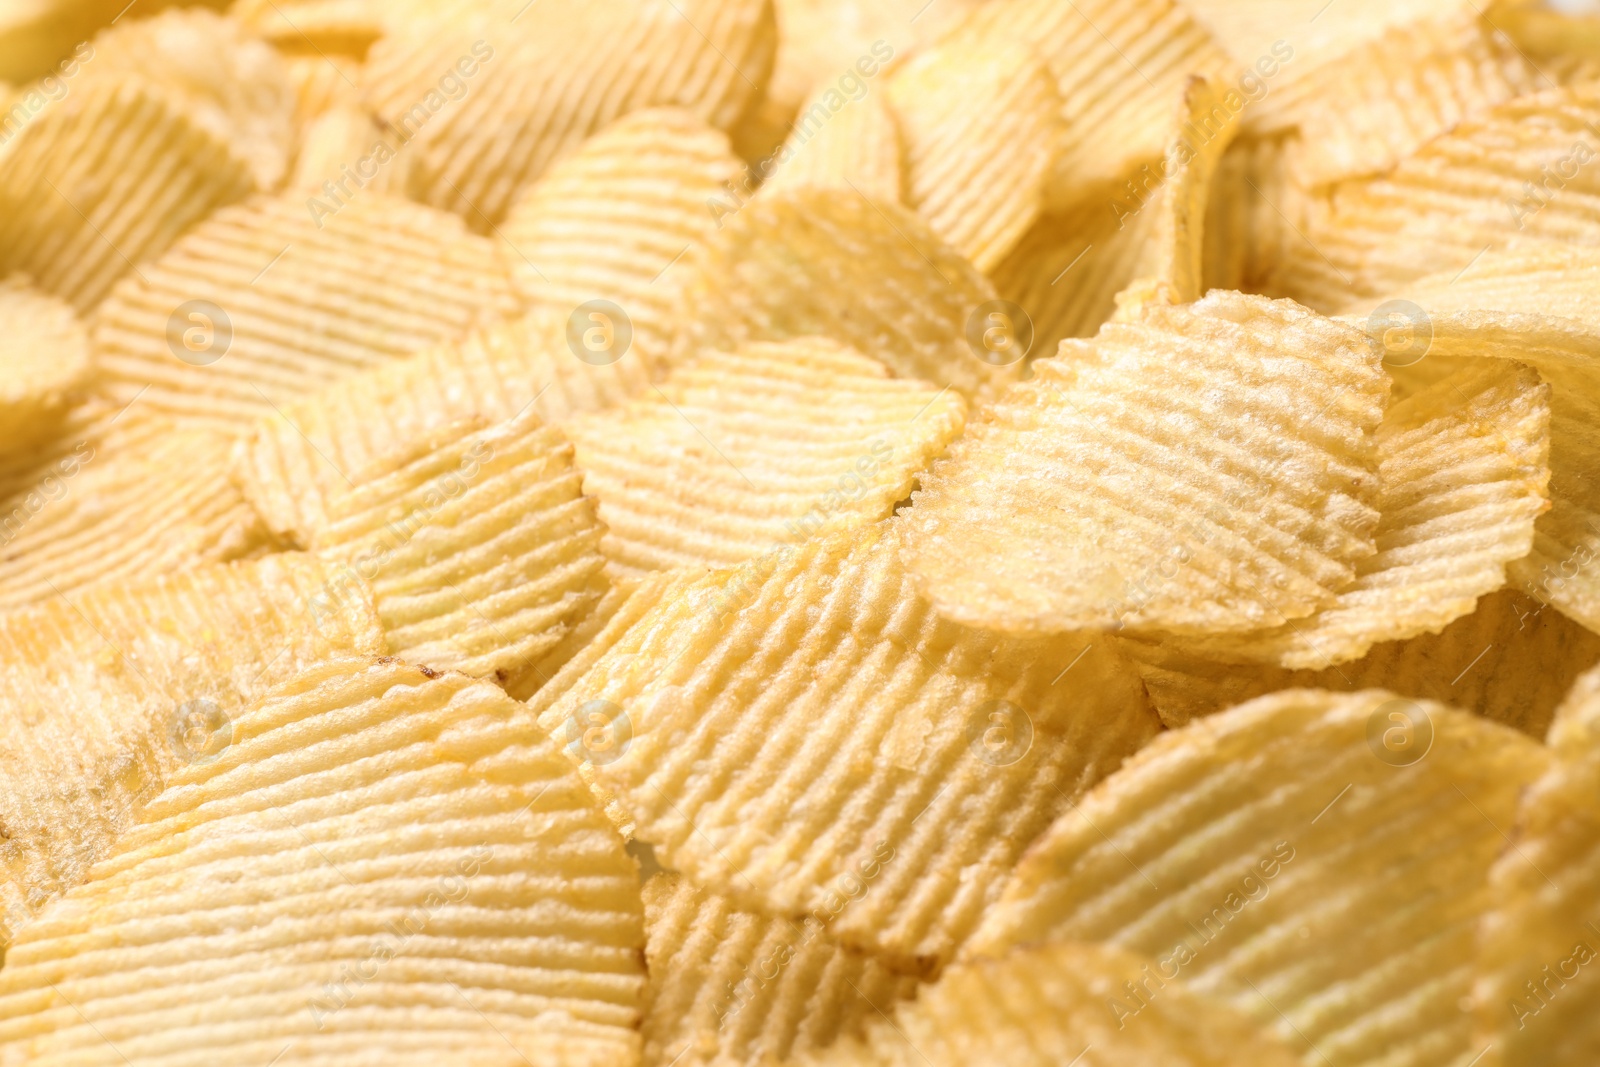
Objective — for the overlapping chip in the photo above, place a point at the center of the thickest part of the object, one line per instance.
(384, 866)
(604, 231)
(839, 142)
(494, 95)
(477, 541)
(45, 353)
(830, 263)
(267, 301)
(742, 453)
(1046, 1005)
(803, 733)
(111, 690)
(981, 128)
(343, 145)
(1210, 468)
(1321, 864)
(732, 987)
(1253, 212)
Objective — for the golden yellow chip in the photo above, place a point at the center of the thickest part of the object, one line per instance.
(478, 543)
(385, 865)
(733, 987)
(805, 736)
(615, 610)
(868, 274)
(1565, 47)
(981, 128)
(1536, 994)
(45, 355)
(340, 140)
(603, 232)
(328, 26)
(1211, 468)
(1118, 65)
(1511, 661)
(1463, 468)
(75, 232)
(1046, 1006)
(266, 301)
(1253, 213)
(494, 96)
(740, 454)
(322, 81)
(841, 143)
(232, 83)
(109, 691)
(1318, 861)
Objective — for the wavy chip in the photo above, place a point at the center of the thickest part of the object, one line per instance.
(1463, 468)
(111, 690)
(980, 127)
(610, 223)
(804, 734)
(1253, 213)
(300, 452)
(839, 142)
(614, 611)
(821, 262)
(1320, 864)
(478, 544)
(384, 866)
(76, 233)
(732, 987)
(45, 353)
(739, 454)
(1210, 468)
(495, 96)
(1045, 1005)
(265, 302)
(343, 145)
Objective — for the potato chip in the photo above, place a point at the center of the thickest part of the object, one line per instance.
(478, 543)
(75, 232)
(322, 82)
(1536, 992)
(868, 274)
(264, 302)
(856, 146)
(980, 127)
(1463, 468)
(1318, 861)
(1511, 660)
(1210, 468)
(385, 865)
(341, 137)
(1254, 211)
(804, 735)
(1562, 46)
(496, 95)
(230, 81)
(1518, 172)
(110, 690)
(45, 353)
(153, 501)
(1118, 65)
(732, 987)
(301, 452)
(740, 454)
(330, 26)
(614, 611)
(609, 223)
(1045, 1005)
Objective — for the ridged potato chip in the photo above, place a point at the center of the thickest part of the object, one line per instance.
(1045, 1006)
(1462, 468)
(827, 263)
(321, 83)
(1253, 212)
(741, 453)
(804, 735)
(268, 300)
(1320, 863)
(111, 690)
(331, 26)
(856, 145)
(77, 233)
(477, 541)
(1536, 995)
(340, 137)
(385, 866)
(730, 987)
(496, 95)
(588, 640)
(45, 353)
(609, 224)
(1210, 468)
(980, 127)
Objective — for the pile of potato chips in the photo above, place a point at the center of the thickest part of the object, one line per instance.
(830, 533)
